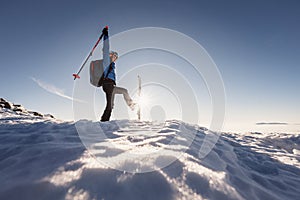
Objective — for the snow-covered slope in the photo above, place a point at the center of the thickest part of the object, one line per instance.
(44, 158)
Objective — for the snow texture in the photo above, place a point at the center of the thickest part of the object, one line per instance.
(43, 158)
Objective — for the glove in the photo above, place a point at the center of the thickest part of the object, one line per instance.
(105, 31)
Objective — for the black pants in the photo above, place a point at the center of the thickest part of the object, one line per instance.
(108, 88)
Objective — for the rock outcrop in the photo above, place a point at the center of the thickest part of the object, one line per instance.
(4, 104)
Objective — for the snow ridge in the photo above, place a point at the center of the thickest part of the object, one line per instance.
(44, 158)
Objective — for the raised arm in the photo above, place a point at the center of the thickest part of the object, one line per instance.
(106, 59)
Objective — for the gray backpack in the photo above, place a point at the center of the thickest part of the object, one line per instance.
(96, 73)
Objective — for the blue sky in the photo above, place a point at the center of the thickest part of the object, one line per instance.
(255, 45)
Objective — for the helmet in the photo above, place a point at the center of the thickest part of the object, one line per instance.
(114, 53)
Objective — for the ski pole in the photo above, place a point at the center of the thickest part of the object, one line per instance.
(90, 54)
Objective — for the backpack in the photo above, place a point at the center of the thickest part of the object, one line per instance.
(97, 69)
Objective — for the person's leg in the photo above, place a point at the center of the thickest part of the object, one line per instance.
(119, 90)
(108, 89)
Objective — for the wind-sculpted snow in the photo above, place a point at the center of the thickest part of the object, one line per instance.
(44, 158)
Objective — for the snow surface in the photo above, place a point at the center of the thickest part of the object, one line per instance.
(44, 158)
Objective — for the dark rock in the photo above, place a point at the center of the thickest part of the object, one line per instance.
(8, 105)
(36, 114)
(5, 104)
(18, 110)
(49, 116)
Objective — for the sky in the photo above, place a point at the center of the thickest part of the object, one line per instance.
(255, 45)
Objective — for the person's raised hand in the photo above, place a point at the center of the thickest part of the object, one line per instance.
(105, 31)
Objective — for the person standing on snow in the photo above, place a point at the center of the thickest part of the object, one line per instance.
(109, 82)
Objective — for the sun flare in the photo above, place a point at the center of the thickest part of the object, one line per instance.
(142, 100)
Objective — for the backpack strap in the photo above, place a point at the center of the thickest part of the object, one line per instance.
(109, 70)
(101, 80)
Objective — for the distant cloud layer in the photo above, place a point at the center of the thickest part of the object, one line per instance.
(272, 123)
(52, 89)
(276, 123)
